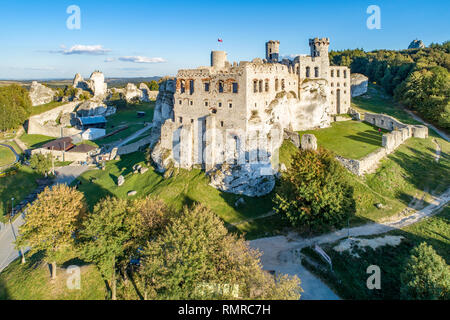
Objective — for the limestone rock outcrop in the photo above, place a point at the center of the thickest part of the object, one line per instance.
(164, 102)
(40, 94)
(145, 92)
(416, 44)
(252, 180)
(95, 108)
(96, 83)
(359, 83)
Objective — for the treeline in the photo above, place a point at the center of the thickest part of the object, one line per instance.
(15, 107)
(418, 78)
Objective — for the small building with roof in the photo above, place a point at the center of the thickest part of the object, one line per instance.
(92, 122)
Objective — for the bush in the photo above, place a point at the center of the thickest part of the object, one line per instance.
(426, 276)
(314, 193)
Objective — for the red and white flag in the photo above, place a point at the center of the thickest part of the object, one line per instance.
(220, 40)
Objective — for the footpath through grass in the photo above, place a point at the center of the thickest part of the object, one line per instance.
(349, 274)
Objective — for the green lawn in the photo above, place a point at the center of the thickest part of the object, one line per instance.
(184, 188)
(349, 139)
(377, 102)
(127, 116)
(35, 140)
(16, 186)
(6, 156)
(349, 275)
(46, 107)
(31, 281)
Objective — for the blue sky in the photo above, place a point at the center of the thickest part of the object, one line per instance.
(155, 38)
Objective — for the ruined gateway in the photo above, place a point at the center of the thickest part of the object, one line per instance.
(230, 119)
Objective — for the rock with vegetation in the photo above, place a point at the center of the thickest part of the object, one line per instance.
(416, 44)
(41, 94)
(95, 108)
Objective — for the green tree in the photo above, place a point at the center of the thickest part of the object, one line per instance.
(314, 192)
(196, 258)
(41, 163)
(103, 238)
(15, 107)
(426, 275)
(51, 222)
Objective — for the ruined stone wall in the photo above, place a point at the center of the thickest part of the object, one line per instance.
(340, 89)
(65, 156)
(134, 147)
(45, 123)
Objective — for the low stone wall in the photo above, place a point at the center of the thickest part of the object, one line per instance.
(134, 146)
(65, 156)
(390, 141)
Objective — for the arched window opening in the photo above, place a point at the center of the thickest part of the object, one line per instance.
(316, 72)
(308, 72)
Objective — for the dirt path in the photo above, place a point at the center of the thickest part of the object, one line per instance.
(417, 118)
(280, 253)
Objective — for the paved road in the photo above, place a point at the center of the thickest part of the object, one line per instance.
(281, 253)
(8, 233)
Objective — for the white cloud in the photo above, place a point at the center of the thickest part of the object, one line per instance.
(139, 59)
(293, 56)
(84, 49)
(109, 59)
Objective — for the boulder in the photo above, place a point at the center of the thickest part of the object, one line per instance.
(120, 181)
(132, 193)
(143, 170)
(309, 142)
(359, 83)
(40, 94)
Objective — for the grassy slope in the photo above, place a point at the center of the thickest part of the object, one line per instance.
(127, 116)
(6, 156)
(349, 276)
(46, 107)
(32, 282)
(350, 139)
(183, 188)
(35, 140)
(16, 186)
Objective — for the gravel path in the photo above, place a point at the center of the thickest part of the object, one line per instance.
(279, 253)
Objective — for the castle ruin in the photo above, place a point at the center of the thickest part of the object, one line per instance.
(229, 118)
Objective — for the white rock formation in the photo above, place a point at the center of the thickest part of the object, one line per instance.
(96, 83)
(40, 94)
(145, 92)
(164, 102)
(95, 108)
(359, 83)
(252, 180)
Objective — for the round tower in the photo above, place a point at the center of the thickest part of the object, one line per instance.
(218, 59)
(272, 50)
(319, 47)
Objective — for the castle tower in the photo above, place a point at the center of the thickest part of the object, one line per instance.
(319, 47)
(272, 50)
(218, 59)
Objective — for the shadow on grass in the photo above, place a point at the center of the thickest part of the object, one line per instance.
(368, 136)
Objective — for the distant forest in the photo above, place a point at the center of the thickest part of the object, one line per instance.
(417, 78)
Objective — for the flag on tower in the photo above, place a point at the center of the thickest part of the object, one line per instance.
(220, 40)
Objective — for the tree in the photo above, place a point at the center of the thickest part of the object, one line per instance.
(314, 192)
(51, 222)
(196, 258)
(426, 275)
(15, 107)
(103, 238)
(41, 163)
(153, 85)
